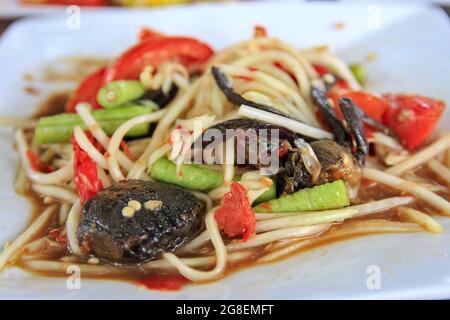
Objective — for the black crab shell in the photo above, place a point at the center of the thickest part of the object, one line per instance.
(106, 233)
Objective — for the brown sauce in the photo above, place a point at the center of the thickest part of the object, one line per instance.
(52, 105)
(71, 68)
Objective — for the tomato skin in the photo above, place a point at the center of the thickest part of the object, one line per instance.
(373, 105)
(87, 90)
(235, 216)
(412, 118)
(154, 51)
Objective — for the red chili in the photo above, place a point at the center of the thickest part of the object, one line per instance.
(283, 151)
(126, 149)
(85, 172)
(37, 164)
(244, 77)
(280, 66)
(164, 282)
(235, 216)
(56, 234)
(266, 205)
(321, 70)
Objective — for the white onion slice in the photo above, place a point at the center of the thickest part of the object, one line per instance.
(287, 123)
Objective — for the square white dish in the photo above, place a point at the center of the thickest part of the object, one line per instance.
(412, 46)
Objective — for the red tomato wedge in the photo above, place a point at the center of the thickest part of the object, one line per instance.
(85, 172)
(373, 105)
(87, 91)
(154, 51)
(235, 216)
(164, 282)
(412, 118)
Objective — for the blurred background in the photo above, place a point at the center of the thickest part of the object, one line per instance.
(11, 10)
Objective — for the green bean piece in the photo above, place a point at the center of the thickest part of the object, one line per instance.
(117, 93)
(193, 176)
(359, 73)
(268, 195)
(331, 195)
(196, 177)
(59, 128)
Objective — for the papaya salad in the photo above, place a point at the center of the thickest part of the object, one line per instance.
(174, 163)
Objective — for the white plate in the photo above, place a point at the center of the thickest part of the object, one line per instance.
(412, 46)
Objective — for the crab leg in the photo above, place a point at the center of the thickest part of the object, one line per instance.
(354, 120)
(225, 85)
(377, 125)
(329, 114)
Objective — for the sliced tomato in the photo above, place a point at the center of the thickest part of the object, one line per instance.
(412, 118)
(154, 51)
(87, 91)
(87, 181)
(235, 216)
(373, 105)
